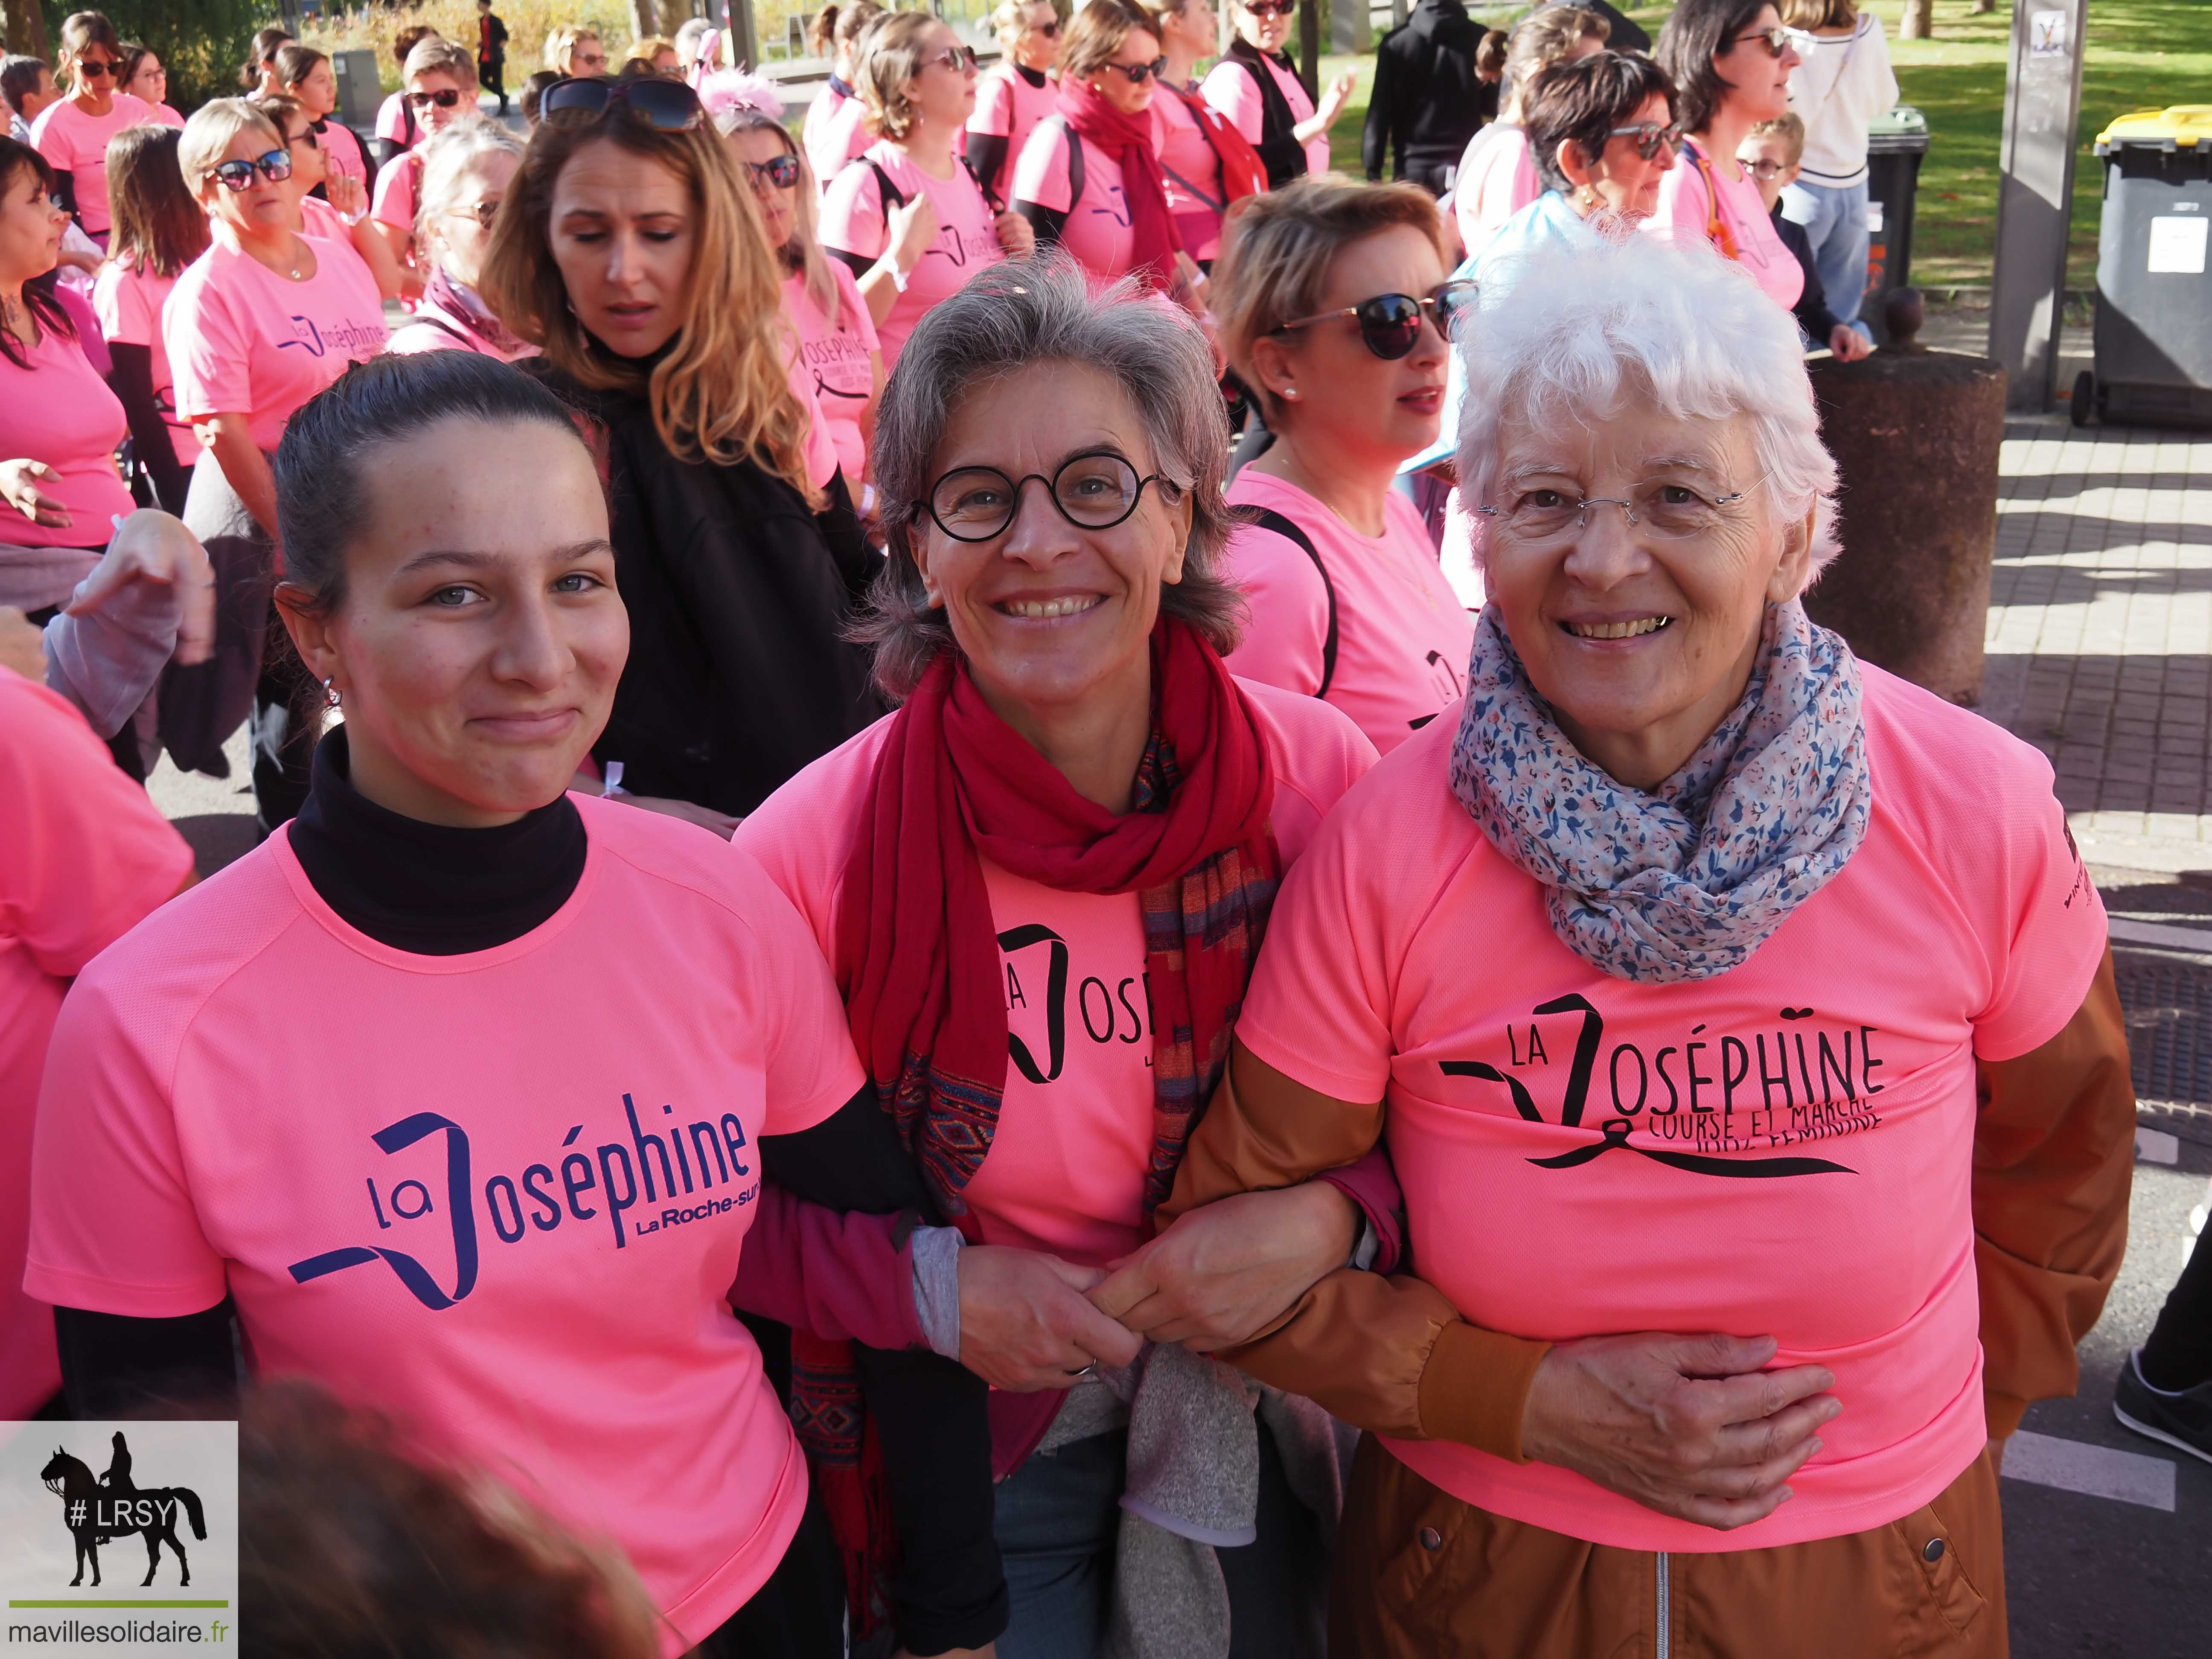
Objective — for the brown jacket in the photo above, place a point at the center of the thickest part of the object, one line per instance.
(2052, 1164)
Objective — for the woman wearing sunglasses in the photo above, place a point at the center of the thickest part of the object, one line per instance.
(1042, 883)
(1334, 310)
(1731, 62)
(835, 129)
(907, 216)
(1015, 94)
(627, 249)
(1256, 85)
(1206, 162)
(1088, 179)
(441, 91)
(333, 206)
(467, 170)
(305, 74)
(839, 365)
(260, 324)
(73, 133)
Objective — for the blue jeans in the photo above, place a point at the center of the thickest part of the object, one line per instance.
(1835, 223)
(1057, 1518)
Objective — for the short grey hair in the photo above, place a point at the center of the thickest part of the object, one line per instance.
(1578, 330)
(1009, 317)
(449, 158)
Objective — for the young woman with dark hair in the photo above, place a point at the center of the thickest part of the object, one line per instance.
(628, 250)
(146, 78)
(159, 230)
(73, 132)
(306, 73)
(258, 75)
(549, 1295)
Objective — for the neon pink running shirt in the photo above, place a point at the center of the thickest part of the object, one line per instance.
(128, 302)
(1007, 107)
(1682, 217)
(1495, 180)
(76, 143)
(1786, 1148)
(835, 359)
(1097, 229)
(852, 220)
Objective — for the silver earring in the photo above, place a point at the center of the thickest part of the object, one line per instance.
(331, 692)
(1291, 392)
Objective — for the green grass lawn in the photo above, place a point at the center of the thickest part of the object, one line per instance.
(2141, 54)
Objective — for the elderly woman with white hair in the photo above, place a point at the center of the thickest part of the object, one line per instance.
(465, 172)
(1740, 1023)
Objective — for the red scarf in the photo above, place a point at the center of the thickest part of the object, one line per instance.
(917, 959)
(1128, 140)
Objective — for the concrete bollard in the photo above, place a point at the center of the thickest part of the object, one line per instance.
(1915, 434)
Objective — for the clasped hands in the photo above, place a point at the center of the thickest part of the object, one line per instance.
(1216, 1276)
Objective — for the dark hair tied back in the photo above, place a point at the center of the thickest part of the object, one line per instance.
(1698, 31)
(332, 446)
(1583, 101)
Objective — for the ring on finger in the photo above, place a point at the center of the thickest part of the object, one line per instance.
(1087, 1372)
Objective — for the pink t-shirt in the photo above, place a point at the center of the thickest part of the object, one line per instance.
(76, 143)
(58, 410)
(834, 131)
(967, 236)
(1008, 106)
(1231, 89)
(128, 302)
(243, 340)
(1402, 636)
(165, 116)
(816, 448)
(1684, 214)
(341, 150)
(83, 856)
(500, 1196)
(393, 203)
(1185, 155)
(1066, 1167)
(1097, 229)
(836, 362)
(1495, 180)
(1407, 962)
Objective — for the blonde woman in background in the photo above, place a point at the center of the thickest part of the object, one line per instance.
(1015, 94)
(652, 54)
(466, 170)
(576, 52)
(907, 216)
(1497, 177)
(835, 129)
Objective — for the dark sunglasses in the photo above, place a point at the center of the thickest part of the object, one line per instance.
(1271, 8)
(1776, 39)
(1650, 139)
(1050, 31)
(97, 69)
(1390, 323)
(781, 171)
(663, 104)
(1139, 73)
(444, 98)
(953, 58)
(276, 167)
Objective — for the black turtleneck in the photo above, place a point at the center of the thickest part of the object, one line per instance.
(427, 888)
(1035, 78)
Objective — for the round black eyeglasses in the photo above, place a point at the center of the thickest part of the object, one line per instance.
(1094, 490)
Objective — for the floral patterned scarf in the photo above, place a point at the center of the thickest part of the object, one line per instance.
(1685, 882)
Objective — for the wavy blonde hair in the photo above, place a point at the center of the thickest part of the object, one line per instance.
(889, 60)
(720, 393)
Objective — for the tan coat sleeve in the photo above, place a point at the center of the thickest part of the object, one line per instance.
(1388, 1355)
(2053, 1162)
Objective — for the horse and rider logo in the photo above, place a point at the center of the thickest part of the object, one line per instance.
(99, 1510)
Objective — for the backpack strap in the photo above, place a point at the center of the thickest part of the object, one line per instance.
(1268, 519)
(889, 194)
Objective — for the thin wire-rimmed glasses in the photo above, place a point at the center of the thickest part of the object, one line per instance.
(1666, 512)
(1651, 138)
(1094, 490)
(1390, 323)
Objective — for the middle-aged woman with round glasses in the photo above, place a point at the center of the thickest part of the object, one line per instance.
(426, 1196)
(467, 170)
(905, 214)
(1763, 998)
(1333, 307)
(73, 132)
(1042, 884)
(626, 250)
(1731, 62)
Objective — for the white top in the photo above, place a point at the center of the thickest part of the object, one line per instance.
(1845, 81)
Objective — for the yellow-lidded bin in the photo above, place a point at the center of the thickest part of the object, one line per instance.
(2154, 327)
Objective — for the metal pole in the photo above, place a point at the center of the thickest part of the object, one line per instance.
(2035, 196)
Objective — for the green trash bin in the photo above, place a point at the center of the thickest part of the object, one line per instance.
(1895, 144)
(2154, 329)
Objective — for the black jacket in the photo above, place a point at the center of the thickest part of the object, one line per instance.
(1427, 99)
(1812, 307)
(1280, 152)
(738, 594)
